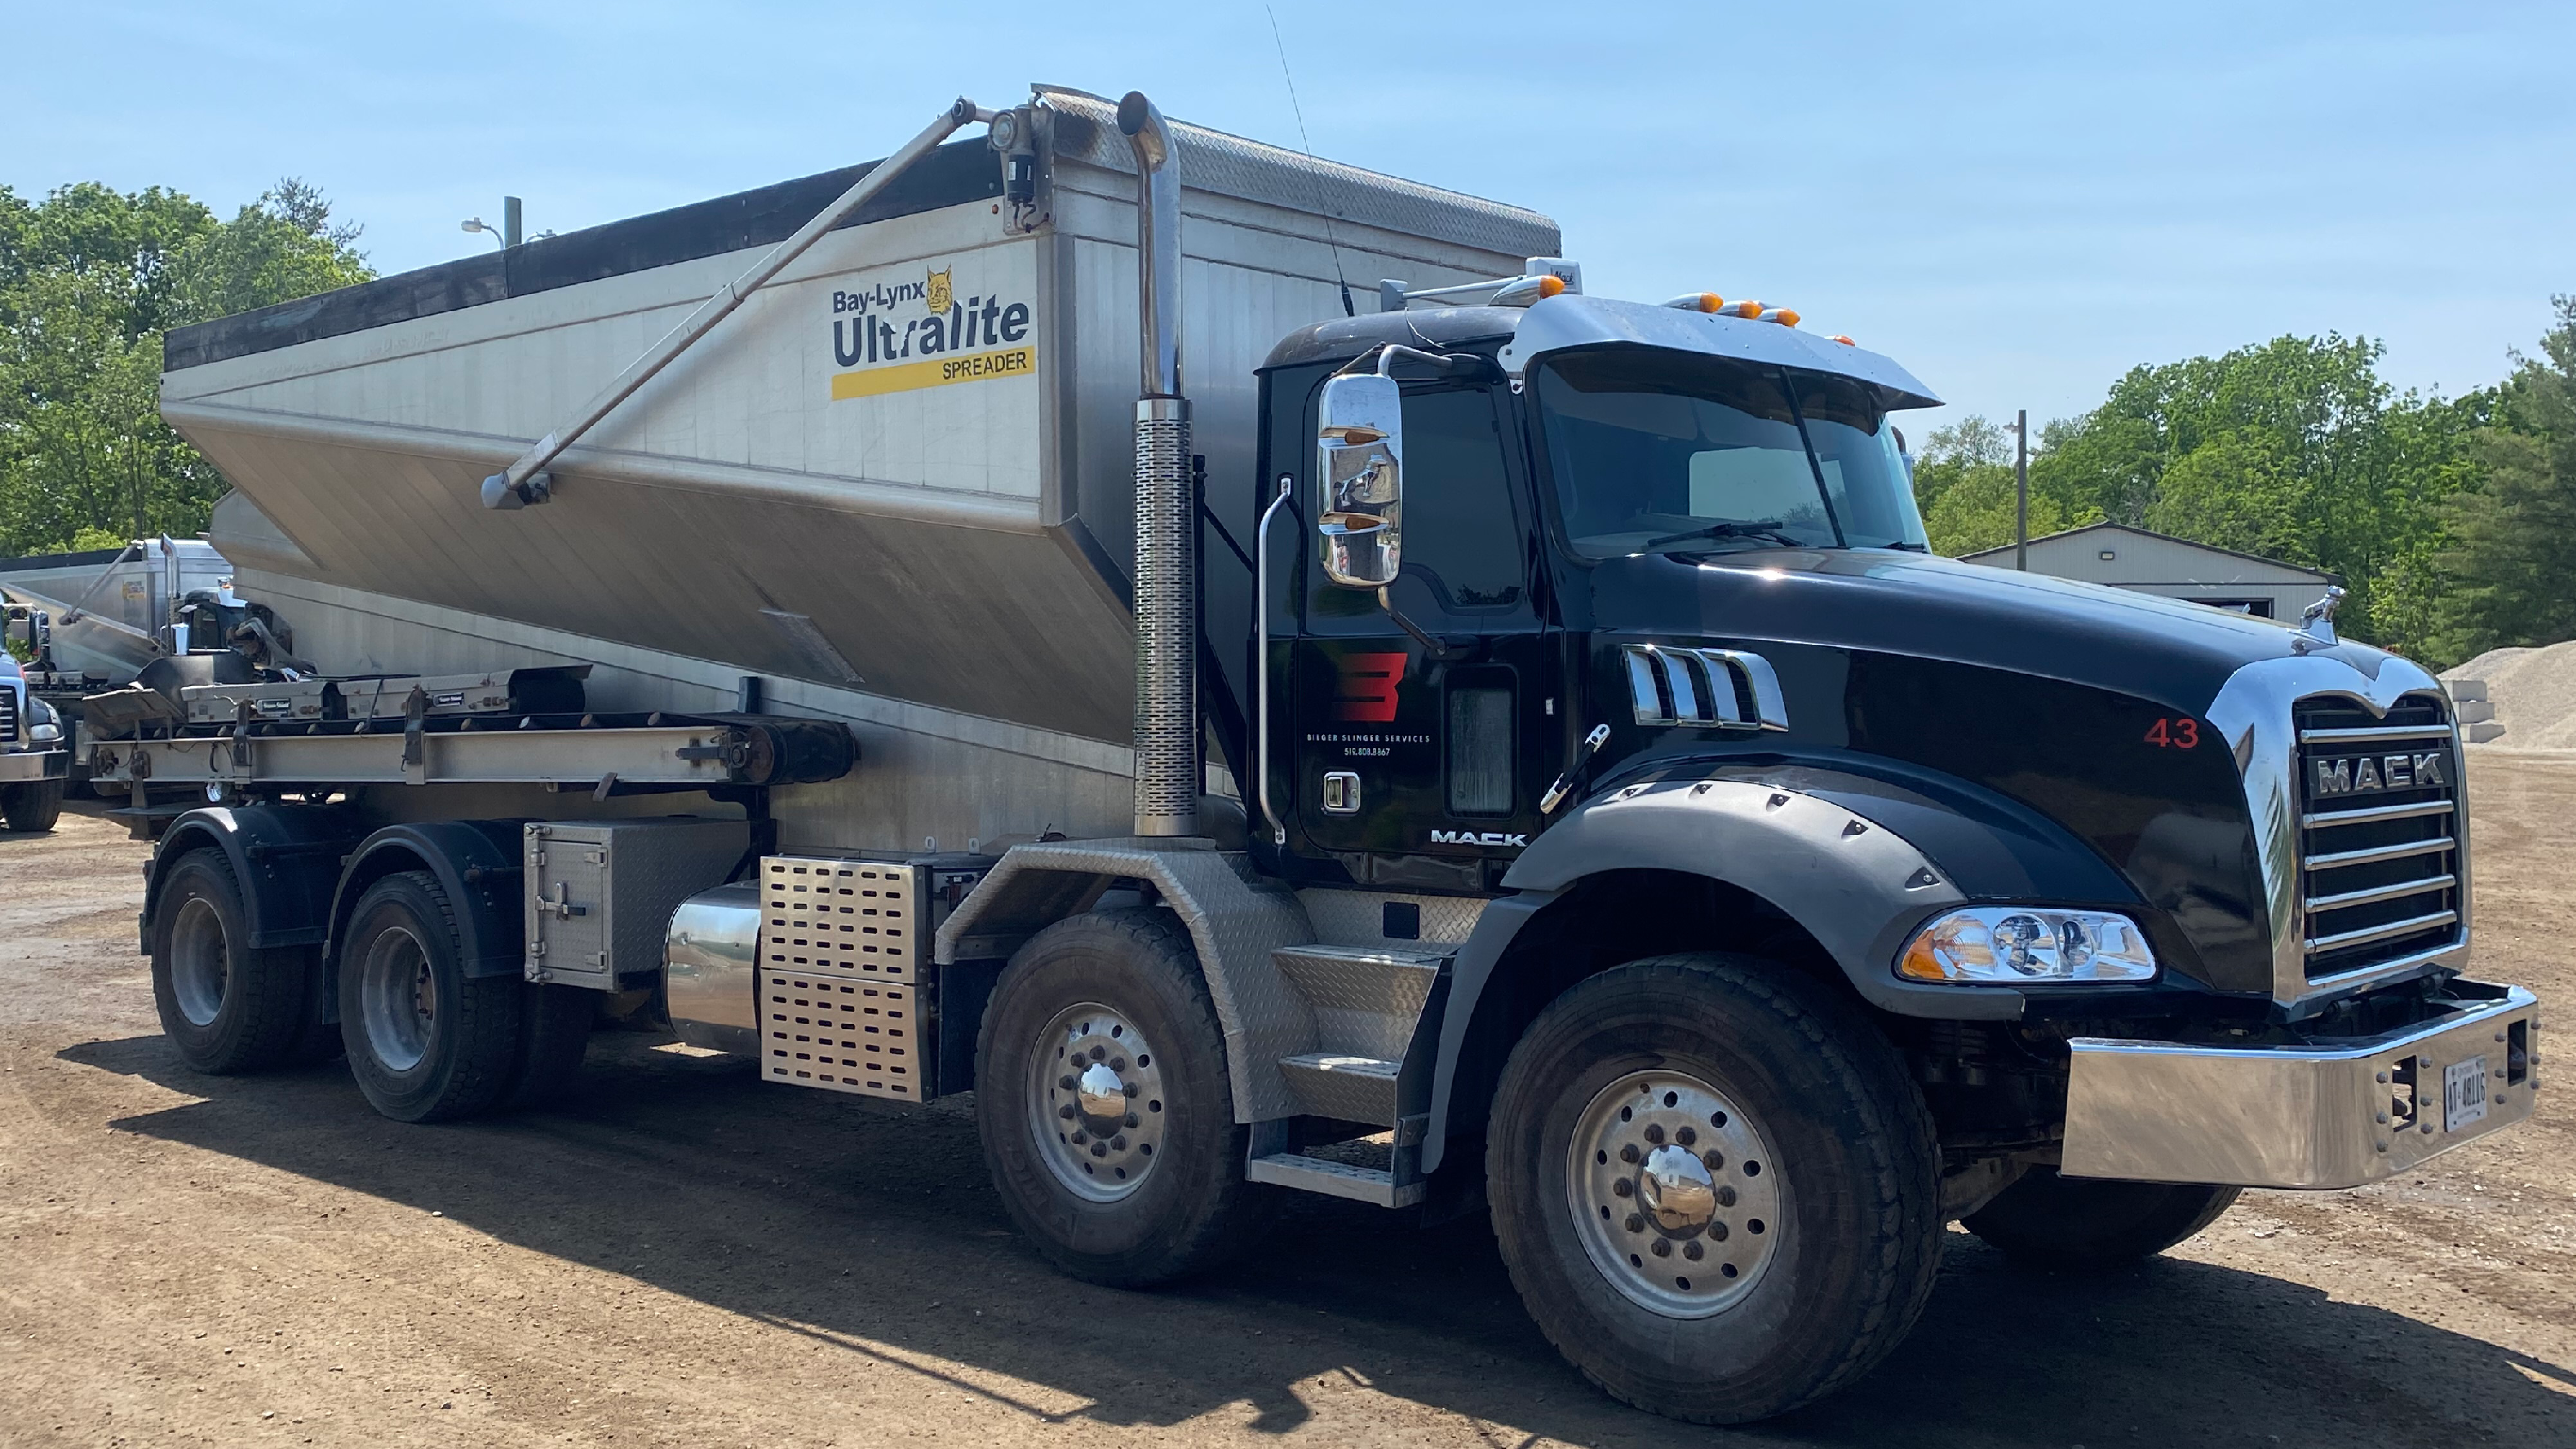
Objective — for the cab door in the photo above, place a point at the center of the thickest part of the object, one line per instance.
(1412, 762)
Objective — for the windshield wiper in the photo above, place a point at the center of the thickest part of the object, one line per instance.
(1731, 528)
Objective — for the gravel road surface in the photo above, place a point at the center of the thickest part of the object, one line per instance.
(689, 1257)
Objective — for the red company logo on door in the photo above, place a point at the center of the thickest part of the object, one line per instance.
(1365, 691)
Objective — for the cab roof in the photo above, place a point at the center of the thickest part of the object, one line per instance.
(1518, 336)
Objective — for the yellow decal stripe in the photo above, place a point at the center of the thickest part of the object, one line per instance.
(935, 372)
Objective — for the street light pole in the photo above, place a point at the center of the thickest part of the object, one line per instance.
(2021, 490)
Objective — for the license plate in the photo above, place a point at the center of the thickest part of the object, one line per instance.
(2464, 1093)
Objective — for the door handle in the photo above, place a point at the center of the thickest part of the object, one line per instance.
(1564, 785)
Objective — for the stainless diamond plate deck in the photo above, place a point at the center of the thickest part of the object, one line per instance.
(1234, 919)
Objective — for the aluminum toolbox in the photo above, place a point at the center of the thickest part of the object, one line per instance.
(600, 893)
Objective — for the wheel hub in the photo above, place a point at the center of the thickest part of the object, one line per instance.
(398, 1000)
(1674, 1193)
(200, 967)
(1096, 1099)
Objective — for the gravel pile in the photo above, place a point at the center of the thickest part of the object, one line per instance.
(2532, 693)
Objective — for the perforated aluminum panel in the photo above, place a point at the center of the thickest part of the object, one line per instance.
(852, 916)
(842, 1034)
(840, 954)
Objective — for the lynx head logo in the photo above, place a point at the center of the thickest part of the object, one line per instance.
(942, 292)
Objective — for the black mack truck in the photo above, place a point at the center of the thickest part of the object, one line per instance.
(1625, 826)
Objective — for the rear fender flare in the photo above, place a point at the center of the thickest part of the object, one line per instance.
(477, 865)
(286, 858)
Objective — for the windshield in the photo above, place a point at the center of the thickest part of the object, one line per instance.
(1655, 449)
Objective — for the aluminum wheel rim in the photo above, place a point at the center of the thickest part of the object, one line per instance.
(397, 1000)
(1674, 1193)
(1096, 1098)
(200, 964)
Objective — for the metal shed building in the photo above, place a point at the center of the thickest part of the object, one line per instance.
(2176, 568)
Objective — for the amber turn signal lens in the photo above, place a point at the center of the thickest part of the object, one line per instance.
(1786, 317)
(1845, 341)
(1550, 285)
(1746, 309)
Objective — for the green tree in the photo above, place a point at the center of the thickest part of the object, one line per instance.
(1964, 485)
(2294, 449)
(89, 280)
(2510, 574)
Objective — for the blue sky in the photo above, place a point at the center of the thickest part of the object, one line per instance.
(2018, 202)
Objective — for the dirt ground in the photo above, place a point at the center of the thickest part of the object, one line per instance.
(689, 1257)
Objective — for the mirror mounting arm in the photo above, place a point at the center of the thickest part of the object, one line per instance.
(1431, 647)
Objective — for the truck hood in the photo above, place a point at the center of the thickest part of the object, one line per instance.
(1885, 601)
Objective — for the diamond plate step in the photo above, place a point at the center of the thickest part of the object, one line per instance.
(1333, 1179)
(1352, 1088)
(1366, 999)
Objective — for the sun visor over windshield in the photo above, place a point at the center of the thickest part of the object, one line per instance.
(1571, 321)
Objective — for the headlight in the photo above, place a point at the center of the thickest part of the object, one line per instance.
(45, 734)
(2015, 945)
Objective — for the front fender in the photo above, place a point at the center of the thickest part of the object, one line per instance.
(1855, 885)
(1852, 883)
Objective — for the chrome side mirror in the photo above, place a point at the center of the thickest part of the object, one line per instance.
(1359, 473)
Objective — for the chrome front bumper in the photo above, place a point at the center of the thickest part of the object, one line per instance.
(19, 766)
(2324, 1114)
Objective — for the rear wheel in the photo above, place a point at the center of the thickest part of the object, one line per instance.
(1714, 1186)
(425, 1041)
(31, 807)
(2083, 1222)
(1102, 1097)
(227, 1006)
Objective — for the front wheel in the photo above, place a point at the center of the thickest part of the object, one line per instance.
(1714, 1186)
(2091, 1223)
(31, 807)
(1102, 1098)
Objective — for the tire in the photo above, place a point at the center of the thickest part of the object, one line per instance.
(426, 1042)
(554, 1035)
(31, 807)
(228, 1007)
(1157, 1199)
(2093, 1223)
(1784, 1164)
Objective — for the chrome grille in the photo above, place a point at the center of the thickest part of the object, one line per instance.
(1712, 688)
(2380, 823)
(9, 713)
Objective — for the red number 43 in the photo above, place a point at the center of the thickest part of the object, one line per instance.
(2174, 734)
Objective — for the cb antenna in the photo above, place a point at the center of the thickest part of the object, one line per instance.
(1322, 206)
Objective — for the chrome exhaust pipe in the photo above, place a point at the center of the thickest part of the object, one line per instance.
(1168, 773)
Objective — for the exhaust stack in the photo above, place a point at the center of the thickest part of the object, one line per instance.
(1168, 773)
